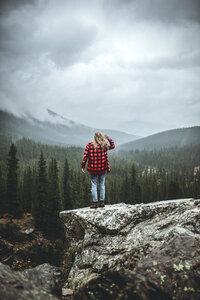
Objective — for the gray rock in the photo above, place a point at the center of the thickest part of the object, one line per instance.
(120, 236)
(28, 231)
(67, 292)
(170, 271)
(36, 283)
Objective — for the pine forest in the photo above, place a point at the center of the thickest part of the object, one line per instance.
(43, 180)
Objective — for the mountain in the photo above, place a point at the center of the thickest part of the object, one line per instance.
(166, 139)
(57, 130)
(144, 127)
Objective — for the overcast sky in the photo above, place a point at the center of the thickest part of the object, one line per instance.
(130, 65)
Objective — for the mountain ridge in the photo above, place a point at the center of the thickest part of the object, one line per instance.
(169, 138)
(53, 131)
(59, 130)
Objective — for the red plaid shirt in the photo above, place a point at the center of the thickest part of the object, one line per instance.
(97, 158)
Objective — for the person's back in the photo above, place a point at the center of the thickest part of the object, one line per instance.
(98, 164)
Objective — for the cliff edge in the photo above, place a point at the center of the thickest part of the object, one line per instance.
(141, 250)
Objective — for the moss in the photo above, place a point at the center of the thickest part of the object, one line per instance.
(99, 284)
(178, 267)
(189, 289)
(149, 270)
(91, 295)
(187, 266)
(162, 278)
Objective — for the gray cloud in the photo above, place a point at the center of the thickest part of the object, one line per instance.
(129, 65)
(8, 5)
(62, 40)
(171, 11)
(68, 42)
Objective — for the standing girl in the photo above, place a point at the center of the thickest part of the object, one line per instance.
(96, 154)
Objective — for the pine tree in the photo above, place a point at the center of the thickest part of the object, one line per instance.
(67, 196)
(133, 175)
(173, 190)
(27, 190)
(54, 201)
(13, 205)
(125, 190)
(40, 204)
(85, 193)
(135, 190)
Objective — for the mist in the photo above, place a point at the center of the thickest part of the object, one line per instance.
(127, 65)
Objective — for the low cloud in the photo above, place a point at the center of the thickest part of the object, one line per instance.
(106, 64)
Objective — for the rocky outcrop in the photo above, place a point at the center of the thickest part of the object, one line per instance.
(143, 250)
(170, 271)
(37, 283)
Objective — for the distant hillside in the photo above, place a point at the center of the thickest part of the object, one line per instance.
(58, 130)
(166, 139)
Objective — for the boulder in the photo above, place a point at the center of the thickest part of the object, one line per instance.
(141, 250)
(37, 283)
(170, 271)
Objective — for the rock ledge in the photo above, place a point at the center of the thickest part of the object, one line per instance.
(123, 236)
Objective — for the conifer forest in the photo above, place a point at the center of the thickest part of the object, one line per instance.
(43, 180)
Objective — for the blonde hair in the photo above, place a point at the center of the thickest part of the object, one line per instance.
(99, 140)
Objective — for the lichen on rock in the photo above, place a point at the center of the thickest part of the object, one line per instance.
(157, 242)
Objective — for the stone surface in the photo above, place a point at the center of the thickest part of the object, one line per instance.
(67, 292)
(36, 283)
(171, 271)
(156, 244)
(28, 231)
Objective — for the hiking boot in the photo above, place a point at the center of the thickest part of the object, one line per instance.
(101, 203)
(94, 205)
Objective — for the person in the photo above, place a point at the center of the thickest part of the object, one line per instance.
(98, 164)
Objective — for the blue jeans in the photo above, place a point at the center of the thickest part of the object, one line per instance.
(101, 186)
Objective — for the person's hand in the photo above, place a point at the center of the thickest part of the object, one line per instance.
(106, 136)
(83, 170)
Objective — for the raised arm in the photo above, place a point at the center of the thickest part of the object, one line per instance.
(112, 145)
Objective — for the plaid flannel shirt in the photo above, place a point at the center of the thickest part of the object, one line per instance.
(97, 158)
